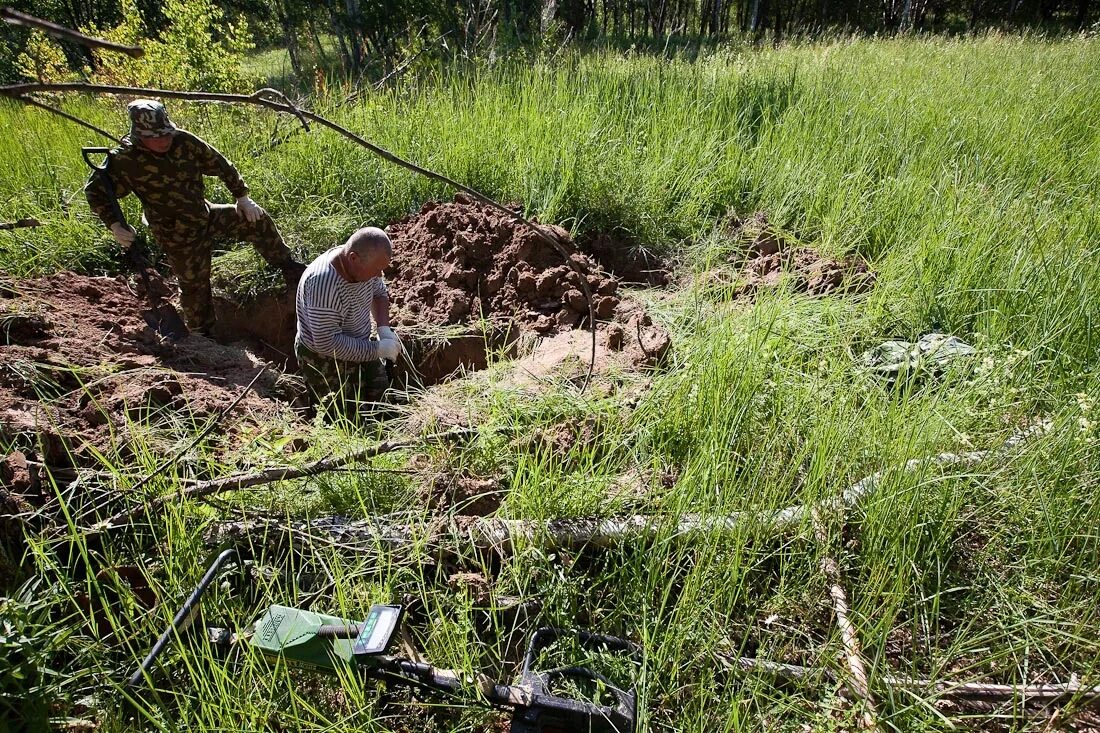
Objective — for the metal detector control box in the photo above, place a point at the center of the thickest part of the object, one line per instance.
(376, 632)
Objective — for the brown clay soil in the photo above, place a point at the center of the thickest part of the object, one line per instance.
(767, 256)
(460, 264)
(79, 368)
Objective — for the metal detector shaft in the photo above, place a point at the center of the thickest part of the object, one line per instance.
(449, 681)
(183, 617)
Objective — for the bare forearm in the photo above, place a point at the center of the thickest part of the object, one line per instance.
(380, 309)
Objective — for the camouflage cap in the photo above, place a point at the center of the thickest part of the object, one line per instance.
(149, 118)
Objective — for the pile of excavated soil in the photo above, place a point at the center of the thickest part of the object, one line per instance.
(79, 367)
(461, 262)
(767, 257)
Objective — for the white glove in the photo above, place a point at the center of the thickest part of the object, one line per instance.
(248, 209)
(388, 348)
(123, 234)
(385, 332)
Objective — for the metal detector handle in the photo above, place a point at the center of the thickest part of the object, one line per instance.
(85, 152)
(183, 617)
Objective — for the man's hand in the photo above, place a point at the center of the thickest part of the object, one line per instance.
(123, 234)
(385, 332)
(388, 348)
(248, 209)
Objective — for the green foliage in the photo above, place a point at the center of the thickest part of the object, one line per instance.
(199, 47)
(43, 60)
(32, 689)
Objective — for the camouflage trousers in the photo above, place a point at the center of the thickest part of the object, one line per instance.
(188, 248)
(342, 386)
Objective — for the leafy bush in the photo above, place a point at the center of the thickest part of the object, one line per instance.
(197, 48)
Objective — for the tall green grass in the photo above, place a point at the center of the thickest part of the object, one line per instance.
(966, 172)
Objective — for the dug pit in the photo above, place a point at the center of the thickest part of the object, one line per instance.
(468, 281)
(765, 256)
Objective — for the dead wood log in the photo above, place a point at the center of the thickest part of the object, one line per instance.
(482, 533)
(503, 534)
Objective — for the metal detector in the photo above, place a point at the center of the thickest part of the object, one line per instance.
(331, 644)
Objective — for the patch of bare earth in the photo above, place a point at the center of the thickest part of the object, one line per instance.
(467, 279)
(765, 257)
(80, 367)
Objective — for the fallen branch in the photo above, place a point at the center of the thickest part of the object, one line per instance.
(269, 475)
(946, 689)
(20, 224)
(14, 17)
(274, 100)
(493, 533)
(852, 650)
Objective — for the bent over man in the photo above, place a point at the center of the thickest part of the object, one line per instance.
(164, 167)
(340, 296)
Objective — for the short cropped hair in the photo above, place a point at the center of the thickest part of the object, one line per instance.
(369, 240)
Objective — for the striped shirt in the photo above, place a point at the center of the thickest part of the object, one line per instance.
(334, 316)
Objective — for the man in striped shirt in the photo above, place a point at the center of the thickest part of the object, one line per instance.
(340, 296)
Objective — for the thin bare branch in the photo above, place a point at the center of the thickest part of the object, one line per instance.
(72, 118)
(270, 475)
(14, 17)
(945, 689)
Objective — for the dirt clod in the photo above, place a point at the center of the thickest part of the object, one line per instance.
(456, 263)
(462, 494)
(765, 255)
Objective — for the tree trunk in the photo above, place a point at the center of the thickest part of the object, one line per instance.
(355, 42)
(290, 36)
(1082, 13)
(318, 47)
(754, 23)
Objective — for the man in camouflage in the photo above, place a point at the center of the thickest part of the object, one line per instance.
(164, 167)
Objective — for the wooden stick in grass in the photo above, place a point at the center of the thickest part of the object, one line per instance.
(852, 650)
(277, 101)
(270, 475)
(945, 689)
(20, 224)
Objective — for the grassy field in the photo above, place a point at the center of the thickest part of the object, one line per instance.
(967, 173)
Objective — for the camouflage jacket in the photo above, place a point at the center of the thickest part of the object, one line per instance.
(169, 186)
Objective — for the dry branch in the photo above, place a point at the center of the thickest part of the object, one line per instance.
(275, 100)
(852, 650)
(14, 17)
(946, 689)
(503, 534)
(269, 475)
